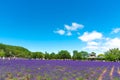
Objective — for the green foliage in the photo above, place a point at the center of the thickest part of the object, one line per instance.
(17, 51)
(11, 51)
(101, 57)
(63, 54)
(35, 55)
(116, 78)
(112, 54)
(2, 53)
(80, 78)
(46, 55)
(38, 77)
(93, 53)
(52, 56)
(74, 57)
(77, 55)
(84, 54)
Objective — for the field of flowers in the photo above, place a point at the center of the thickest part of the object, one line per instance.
(58, 70)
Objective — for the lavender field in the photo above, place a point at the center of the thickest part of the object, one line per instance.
(58, 70)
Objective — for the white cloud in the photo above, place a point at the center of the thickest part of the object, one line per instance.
(113, 43)
(92, 43)
(61, 32)
(69, 29)
(74, 27)
(90, 36)
(107, 38)
(102, 45)
(91, 47)
(116, 30)
(69, 34)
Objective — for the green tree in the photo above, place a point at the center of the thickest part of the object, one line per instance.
(40, 55)
(112, 54)
(47, 55)
(101, 56)
(64, 54)
(93, 53)
(34, 55)
(74, 57)
(84, 54)
(52, 55)
(37, 55)
(2, 53)
(77, 55)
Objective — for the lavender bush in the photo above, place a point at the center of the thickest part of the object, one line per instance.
(58, 70)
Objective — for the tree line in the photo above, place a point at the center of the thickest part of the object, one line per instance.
(21, 52)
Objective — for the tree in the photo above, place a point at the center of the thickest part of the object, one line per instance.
(74, 57)
(84, 54)
(93, 53)
(46, 55)
(37, 55)
(77, 55)
(101, 57)
(112, 54)
(64, 54)
(2, 53)
(33, 55)
(52, 55)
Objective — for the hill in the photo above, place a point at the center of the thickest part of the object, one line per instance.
(10, 51)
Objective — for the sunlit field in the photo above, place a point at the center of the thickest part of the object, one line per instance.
(58, 70)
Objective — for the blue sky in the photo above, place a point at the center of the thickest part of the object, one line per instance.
(53, 25)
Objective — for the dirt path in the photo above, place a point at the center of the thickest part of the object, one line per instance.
(111, 73)
(101, 75)
(118, 71)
